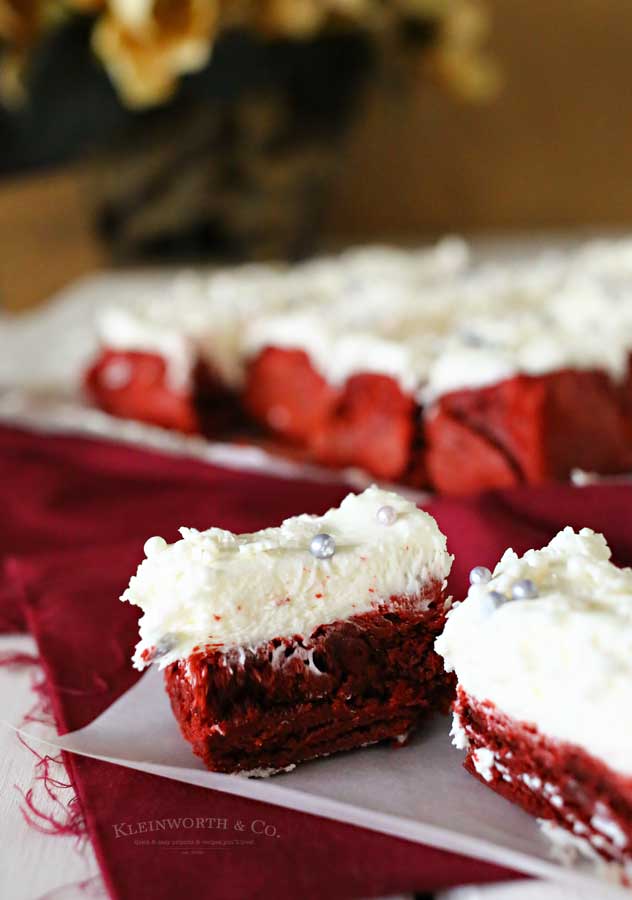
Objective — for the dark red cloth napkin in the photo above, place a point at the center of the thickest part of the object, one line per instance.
(76, 514)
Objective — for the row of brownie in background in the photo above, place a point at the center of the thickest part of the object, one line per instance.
(422, 367)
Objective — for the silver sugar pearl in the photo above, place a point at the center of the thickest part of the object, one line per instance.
(471, 338)
(386, 515)
(154, 545)
(480, 575)
(525, 589)
(490, 602)
(496, 598)
(322, 546)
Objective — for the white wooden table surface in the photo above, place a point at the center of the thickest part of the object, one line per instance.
(32, 865)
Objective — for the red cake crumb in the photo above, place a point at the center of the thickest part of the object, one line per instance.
(527, 429)
(550, 779)
(369, 678)
(133, 385)
(367, 422)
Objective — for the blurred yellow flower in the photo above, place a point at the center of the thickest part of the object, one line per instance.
(457, 58)
(302, 18)
(21, 25)
(145, 45)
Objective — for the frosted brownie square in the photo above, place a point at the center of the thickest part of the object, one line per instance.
(302, 640)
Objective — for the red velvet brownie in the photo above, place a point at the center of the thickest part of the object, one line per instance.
(134, 385)
(284, 392)
(413, 366)
(542, 650)
(172, 358)
(529, 428)
(368, 421)
(498, 377)
(298, 641)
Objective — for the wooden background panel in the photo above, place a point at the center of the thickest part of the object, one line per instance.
(46, 240)
(555, 149)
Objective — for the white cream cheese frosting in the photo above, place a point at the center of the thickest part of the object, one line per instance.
(431, 319)
(196, 317)
(339, 353)
(134, 330)
(561, 660)
(350, 311)
(238, 590)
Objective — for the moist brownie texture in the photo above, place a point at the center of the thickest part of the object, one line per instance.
(573, 793)
(137, 386)
(302, 640)
(542, 650)
(348, 684)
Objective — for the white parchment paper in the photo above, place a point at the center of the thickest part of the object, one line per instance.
(419, 792)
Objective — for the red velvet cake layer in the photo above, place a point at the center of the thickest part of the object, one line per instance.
(134, 385)
(550, 779)
(367, 422)
(372, 677)
(286, 394)
(527, 429)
